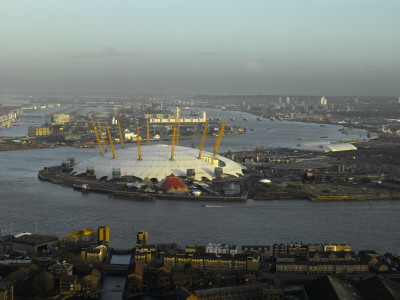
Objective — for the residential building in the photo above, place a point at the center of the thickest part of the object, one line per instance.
(69, 284)
(278, 249)
(217, 248)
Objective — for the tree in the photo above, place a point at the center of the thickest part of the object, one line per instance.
(43, 283)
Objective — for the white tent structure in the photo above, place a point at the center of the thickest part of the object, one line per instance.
(322, 146)
(156, 163)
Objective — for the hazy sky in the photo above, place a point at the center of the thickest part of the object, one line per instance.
(320, 47)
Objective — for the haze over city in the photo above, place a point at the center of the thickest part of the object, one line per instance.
(205, 47)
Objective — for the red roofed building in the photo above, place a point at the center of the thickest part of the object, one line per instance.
(172, 182)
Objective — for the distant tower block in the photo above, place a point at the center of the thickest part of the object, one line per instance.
(103, 234)
(288, 100)
(142, 238)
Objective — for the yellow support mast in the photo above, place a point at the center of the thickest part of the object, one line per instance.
(221, 131)
(203, 138)
(98, 140)
(177, 133)
(102, 137)
(120, 134)
(173, 144)
(138, 141)
(148, 133)
(111, 142)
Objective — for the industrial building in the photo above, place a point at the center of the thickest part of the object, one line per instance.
(33, 243)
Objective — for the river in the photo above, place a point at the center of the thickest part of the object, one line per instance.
(27, 201)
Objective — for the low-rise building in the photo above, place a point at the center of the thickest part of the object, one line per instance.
(146, 255)
(94, 252)
(297, 249)
(321, 267)
(33, 243)
(217, 248)
(278, 249)
(211, 261)
(61, 118)
(263, 251)
(61, 269)
(337, 247)
(69, 284)
(90, 282)
(332, 256)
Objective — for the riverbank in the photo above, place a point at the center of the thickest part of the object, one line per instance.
(119, 189)
(318, 192)
(27, 143)
(388, 196)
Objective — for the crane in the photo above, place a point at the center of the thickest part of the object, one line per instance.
(77, 236)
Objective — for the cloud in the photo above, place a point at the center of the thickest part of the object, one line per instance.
(254, 66)
(211, 53)
(105, 53)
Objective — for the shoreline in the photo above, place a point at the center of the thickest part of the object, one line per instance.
(114, 189)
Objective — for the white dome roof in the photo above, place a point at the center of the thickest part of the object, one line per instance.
(156, 163)
(322, 146)
(264, 180)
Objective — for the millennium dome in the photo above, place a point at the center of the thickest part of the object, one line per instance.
(156, 163)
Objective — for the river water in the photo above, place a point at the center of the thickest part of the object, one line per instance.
(27, 202)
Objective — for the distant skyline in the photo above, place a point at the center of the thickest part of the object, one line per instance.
(292, 47)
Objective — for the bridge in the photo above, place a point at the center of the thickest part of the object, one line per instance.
(116, 269)
(111, 290)
(122, 251)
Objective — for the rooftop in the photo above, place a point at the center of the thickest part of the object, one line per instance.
(34, 239)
